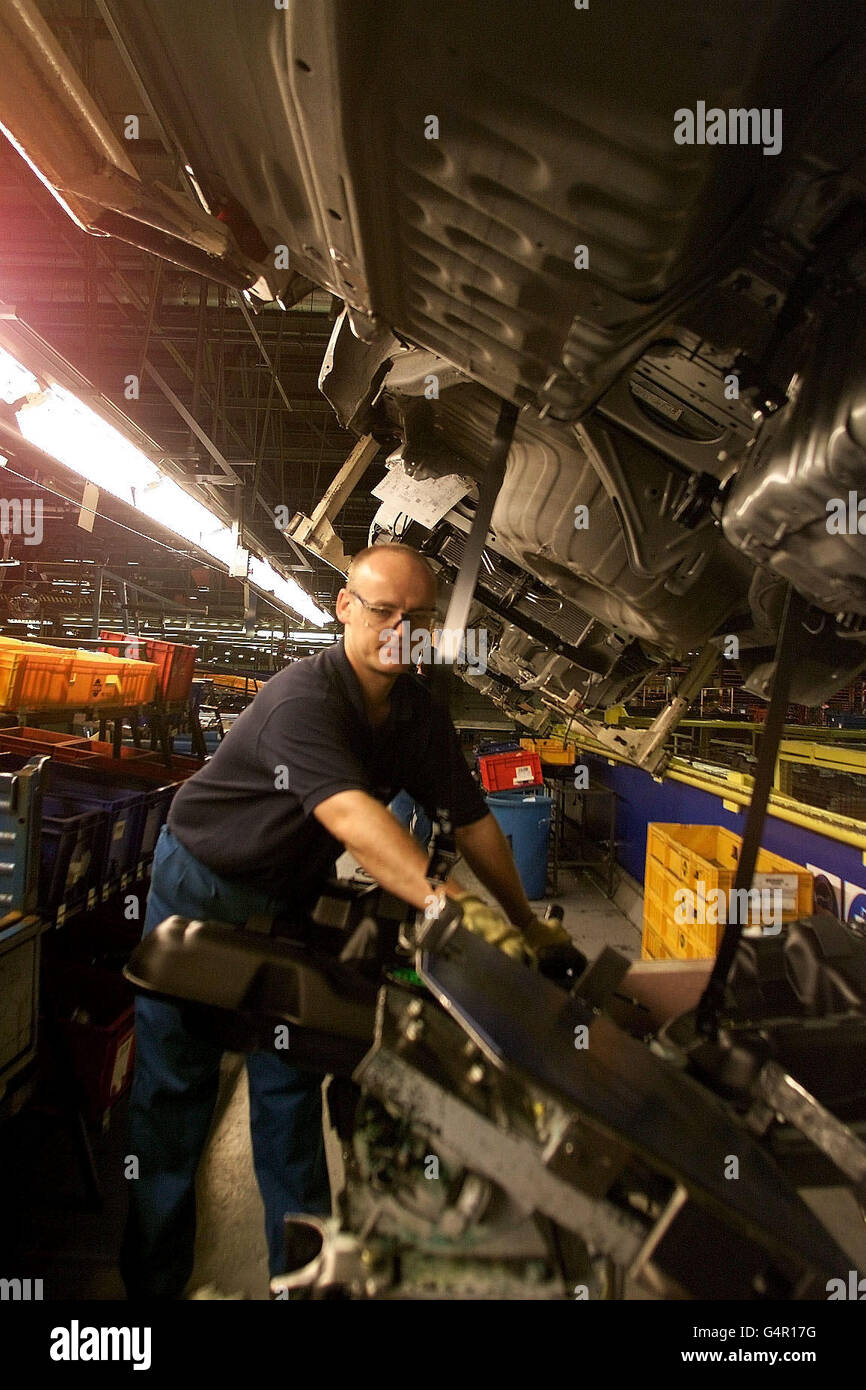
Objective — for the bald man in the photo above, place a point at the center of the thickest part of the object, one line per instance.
(306, 772)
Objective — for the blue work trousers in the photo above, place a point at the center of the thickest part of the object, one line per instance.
(174, 1092)
(411, 814)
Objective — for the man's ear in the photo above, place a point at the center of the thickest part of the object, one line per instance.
(343, 604)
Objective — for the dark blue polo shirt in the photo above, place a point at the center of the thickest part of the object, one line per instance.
(249, 812)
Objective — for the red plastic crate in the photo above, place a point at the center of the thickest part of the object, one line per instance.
(502, 772)
(183, 667)
(97, 1024)
(137, 761)
(48, 739)
(175, 661)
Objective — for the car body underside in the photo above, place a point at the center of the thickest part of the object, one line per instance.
(504, 207)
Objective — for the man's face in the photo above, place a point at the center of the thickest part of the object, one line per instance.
(392, 584)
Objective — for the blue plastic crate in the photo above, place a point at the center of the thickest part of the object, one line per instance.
(124, 812)
(23, 780)
(70, 830)
(182, 743)
(19, 989)
(72, 853)
(156, 804)
(200, 692)
(838, 720)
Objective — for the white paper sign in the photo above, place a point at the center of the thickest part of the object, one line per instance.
(784, 884)
(425, 501)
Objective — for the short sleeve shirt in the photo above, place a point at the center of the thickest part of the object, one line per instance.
(248, 813)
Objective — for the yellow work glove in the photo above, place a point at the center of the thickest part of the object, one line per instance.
(485, 921)
(543, 933)
(553, 950)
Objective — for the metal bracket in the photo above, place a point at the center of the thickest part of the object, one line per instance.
(646, 747)
(315, 532)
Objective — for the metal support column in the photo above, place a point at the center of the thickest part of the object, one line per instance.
(97, 603)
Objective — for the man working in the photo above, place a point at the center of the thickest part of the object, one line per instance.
(305, 773)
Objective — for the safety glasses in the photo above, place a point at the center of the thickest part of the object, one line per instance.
(381, 616)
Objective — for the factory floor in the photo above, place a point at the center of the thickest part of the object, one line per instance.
(50, 1234)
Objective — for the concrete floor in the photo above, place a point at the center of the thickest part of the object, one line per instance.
(230, 1251)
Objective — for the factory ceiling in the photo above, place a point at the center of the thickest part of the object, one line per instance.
(210, 379)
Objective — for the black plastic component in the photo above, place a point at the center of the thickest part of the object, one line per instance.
(700, 493)
(342, 905)
(242, 985)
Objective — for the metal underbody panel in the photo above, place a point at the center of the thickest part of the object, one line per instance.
(549, 136)
(504, 208)
(795, 506)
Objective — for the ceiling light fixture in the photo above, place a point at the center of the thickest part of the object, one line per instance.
(60, 424)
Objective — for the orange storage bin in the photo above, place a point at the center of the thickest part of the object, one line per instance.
(33, 677)
(95, 680)
(175, 662)
(653, 946)
(248, 685)
(550, 750)
(136, 761)
(139, 682)
(40, 741)
(182, 669)
(128, 754)
(76, 752)
(46, 736)
(702, 859)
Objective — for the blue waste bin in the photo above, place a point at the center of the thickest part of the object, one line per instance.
(524, 819)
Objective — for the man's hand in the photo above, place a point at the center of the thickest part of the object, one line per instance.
(485, 921)
(553, 949)
(543, 943)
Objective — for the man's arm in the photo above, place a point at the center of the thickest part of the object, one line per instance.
(485, 849)
(395, 859)
(444, 780)
(380, 844)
